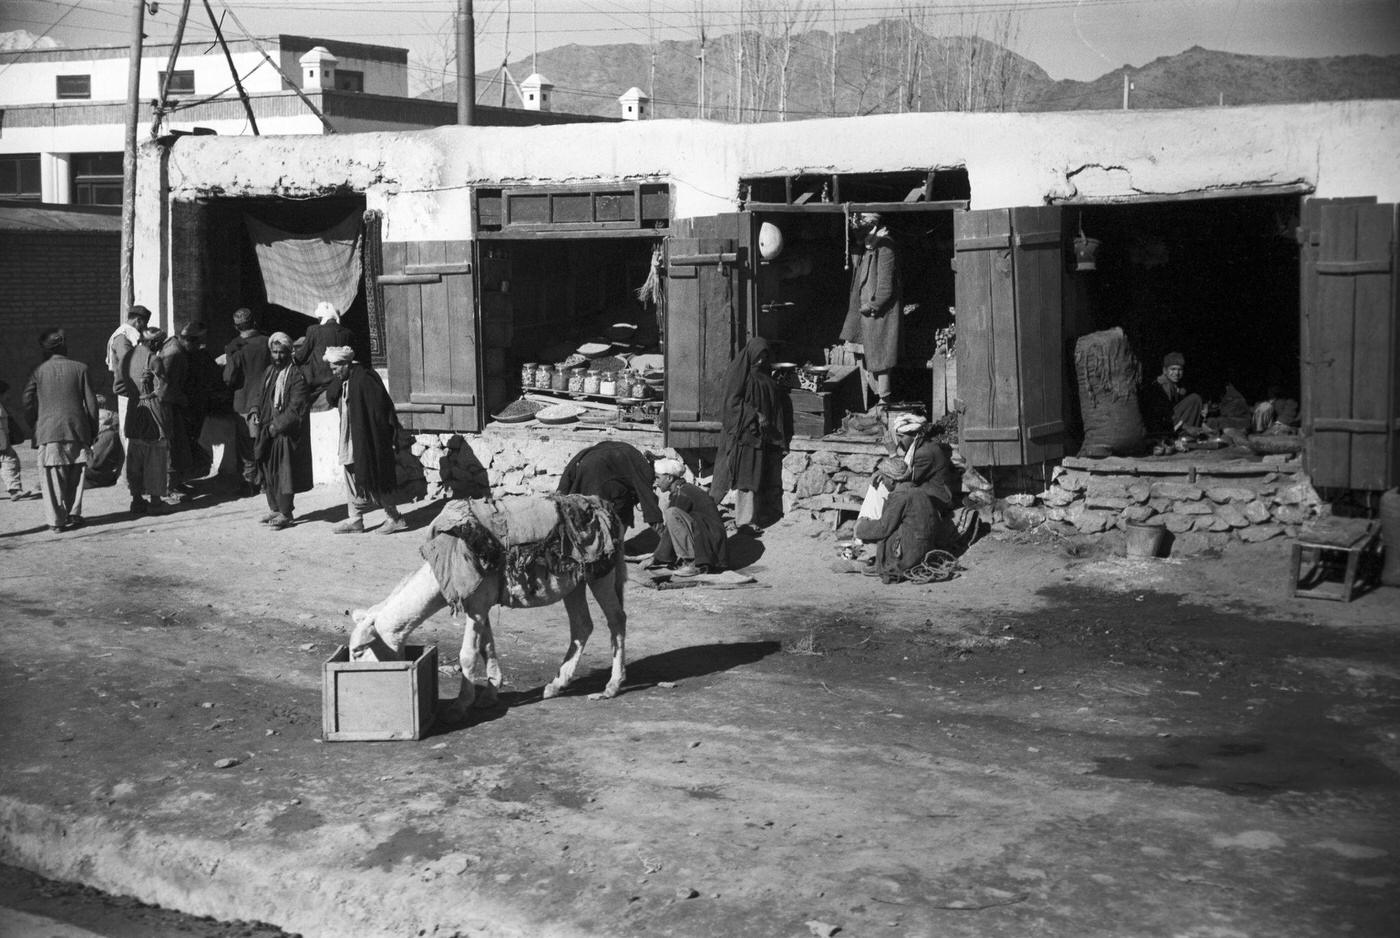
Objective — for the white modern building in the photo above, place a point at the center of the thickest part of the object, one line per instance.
(63, 111)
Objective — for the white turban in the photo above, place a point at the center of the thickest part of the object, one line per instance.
(339, 355)
(279, 338)
(327, 313)
(670, 467)
(907, 423)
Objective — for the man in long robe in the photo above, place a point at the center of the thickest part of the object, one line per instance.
(283, 446)
(369, 429)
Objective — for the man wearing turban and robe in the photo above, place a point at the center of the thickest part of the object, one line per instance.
(905, 530)
(283, 445)
(693, 539)
(369, 429)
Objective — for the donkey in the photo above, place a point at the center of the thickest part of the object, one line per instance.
(381, 630)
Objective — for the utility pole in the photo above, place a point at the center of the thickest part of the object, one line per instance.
(133, 107)
(834, 49)
(1127, 86)
(466, 64)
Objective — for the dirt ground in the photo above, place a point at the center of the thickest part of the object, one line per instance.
(1059, 742)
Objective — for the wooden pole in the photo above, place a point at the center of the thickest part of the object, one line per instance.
(133, 106)
(228, 57)
(170, 64)
(466, 64)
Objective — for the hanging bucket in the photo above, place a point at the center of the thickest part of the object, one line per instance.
(1145, 540)
(1085, 253)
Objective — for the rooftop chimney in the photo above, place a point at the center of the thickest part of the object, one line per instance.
(318, 70)
(536, 91)
(636, 106)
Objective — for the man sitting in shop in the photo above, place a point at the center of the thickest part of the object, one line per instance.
(1167, 408)
(692, 542)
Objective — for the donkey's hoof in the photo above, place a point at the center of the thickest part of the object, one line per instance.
(607, 693)
(551, 689)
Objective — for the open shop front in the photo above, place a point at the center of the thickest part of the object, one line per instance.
(782, 269)
(549, 317)
(278, 257)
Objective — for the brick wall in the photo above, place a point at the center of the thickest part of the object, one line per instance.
(69, 279)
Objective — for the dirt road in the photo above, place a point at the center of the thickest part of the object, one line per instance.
(1059, 742)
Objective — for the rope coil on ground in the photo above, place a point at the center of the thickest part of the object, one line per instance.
(936, 567)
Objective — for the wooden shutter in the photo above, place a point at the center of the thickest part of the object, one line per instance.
(707, 304)
(431, 326)
(1010, 335)
(1351, 358)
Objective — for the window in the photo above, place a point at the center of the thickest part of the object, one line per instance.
(19, 177)
(349, 80)
(181, 81)
(97, 178)
(74, 86)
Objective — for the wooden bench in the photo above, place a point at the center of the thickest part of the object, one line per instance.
(1323, 540)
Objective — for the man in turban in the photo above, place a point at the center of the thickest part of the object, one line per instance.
(693, 539)
(60, 405)
(283, 443)
(905, 530)
(369, 430)
(327, 333)
(930, 467)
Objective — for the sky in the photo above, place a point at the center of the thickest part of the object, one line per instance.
(1078, 39)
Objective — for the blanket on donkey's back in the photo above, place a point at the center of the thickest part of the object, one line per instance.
(541, 544)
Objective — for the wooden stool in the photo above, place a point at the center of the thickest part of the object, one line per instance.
(1350, 536)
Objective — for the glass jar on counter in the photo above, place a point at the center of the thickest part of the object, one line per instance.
(528, 373)
(544, 374)
(607, 384)
(560, 381)
(575, 384)
(640, 389)
(591, 382)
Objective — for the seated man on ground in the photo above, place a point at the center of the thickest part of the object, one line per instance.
(905, 531)
(693, 540)
(1167, 408)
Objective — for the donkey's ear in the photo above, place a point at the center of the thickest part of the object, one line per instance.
(651, 457)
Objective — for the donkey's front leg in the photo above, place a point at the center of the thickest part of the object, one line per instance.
(481, 669)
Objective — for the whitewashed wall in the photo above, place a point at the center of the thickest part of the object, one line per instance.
(422, 180)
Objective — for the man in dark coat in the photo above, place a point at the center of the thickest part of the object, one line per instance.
(617, 473)
(283, 444)
(875, 313)
(693, 540)
(904, 533)
(369, 429)
(245, 362)
(1167, 407)
(175, 365)
(327, 333)
(60, 405)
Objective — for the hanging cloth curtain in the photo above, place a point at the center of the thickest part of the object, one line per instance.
(300, 271)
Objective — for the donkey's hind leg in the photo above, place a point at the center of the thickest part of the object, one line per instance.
(580, 627)
(607, 590)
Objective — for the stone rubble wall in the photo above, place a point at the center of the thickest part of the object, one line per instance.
(1199, 513)
(455, 465)
(823, 483)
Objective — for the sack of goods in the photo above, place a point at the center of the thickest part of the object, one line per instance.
(1108, 374)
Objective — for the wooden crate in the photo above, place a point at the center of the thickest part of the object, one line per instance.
(813, 413)
(375, 700)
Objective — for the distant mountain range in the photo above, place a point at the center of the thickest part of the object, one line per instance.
(891, 67)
